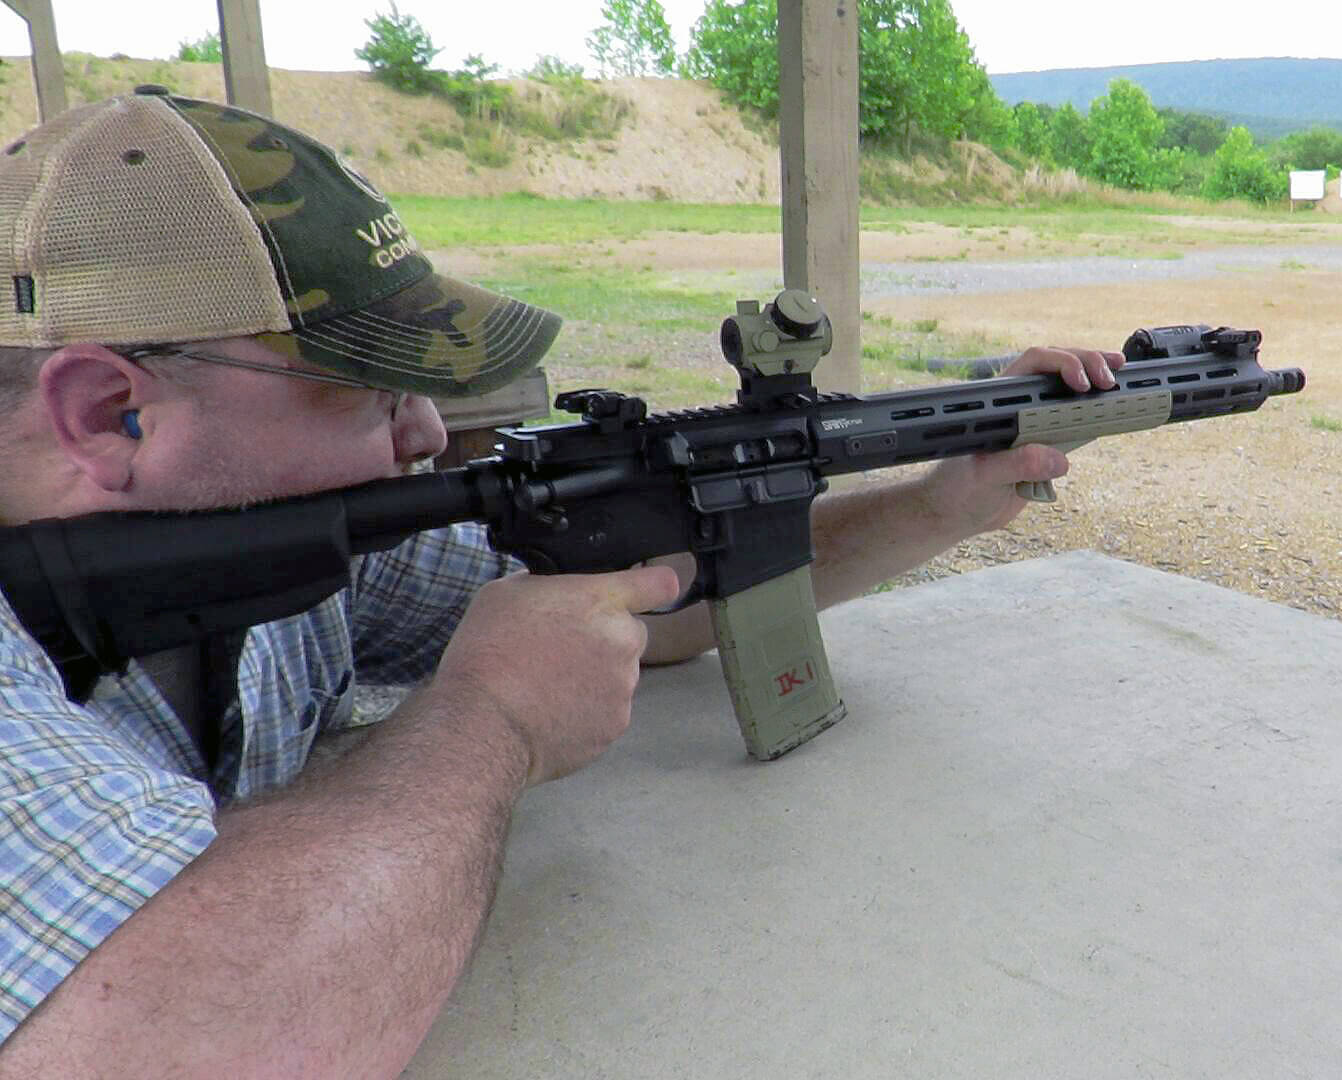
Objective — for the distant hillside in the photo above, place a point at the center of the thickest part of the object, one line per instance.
(1270, 96)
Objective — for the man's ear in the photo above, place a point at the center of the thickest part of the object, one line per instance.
(87, 389)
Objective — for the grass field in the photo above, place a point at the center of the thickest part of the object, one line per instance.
(524, 220)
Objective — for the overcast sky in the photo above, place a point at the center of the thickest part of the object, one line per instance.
(1007, 35)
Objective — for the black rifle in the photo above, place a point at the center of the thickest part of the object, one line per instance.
(732, 484)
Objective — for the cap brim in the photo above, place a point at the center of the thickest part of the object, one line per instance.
(440, 336)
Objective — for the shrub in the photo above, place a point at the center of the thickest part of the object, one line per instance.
(471, 92)
(399, 53)
(1241, 171)
(554, 72)
(443, 140)
(204, 50)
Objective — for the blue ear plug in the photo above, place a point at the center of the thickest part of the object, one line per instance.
(130, 420)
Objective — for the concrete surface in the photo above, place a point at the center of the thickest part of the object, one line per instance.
(1083, 820)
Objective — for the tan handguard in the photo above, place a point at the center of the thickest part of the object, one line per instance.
(773, 659)
(1071, 424)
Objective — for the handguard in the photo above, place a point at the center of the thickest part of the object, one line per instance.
(1067, 426)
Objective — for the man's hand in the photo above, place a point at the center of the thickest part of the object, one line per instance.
(1080, 368)
(977, 493)
(557, 658)
(360, 891)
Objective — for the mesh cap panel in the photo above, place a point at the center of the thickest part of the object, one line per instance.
(132, 233)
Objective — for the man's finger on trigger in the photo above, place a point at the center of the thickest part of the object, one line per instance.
(647, 588)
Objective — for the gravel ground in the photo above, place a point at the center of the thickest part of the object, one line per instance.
(970, 278)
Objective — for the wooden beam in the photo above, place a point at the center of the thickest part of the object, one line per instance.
(470, 422)
(246, 77)
(818, 135)
(48, 73)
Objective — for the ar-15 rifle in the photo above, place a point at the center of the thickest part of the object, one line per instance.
(733, 485)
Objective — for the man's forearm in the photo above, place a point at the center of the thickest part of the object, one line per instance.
(871, 531)
(321, 932)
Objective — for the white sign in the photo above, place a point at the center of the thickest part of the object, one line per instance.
(1307, 185)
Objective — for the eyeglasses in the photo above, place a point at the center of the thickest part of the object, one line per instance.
(273, 369)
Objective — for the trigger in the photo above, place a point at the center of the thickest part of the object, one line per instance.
(688, 598)
(1037, 491)
(696, 591)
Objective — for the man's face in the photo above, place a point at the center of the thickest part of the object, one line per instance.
(227, 436)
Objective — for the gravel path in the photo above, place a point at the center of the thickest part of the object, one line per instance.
(967, 278)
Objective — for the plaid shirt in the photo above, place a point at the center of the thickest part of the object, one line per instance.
(104, 803)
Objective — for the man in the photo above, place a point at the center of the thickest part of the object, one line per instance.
(209, 310)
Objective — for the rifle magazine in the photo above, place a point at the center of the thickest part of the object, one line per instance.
(774, 661)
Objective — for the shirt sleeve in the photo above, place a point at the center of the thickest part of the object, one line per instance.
(407, 602)
(90, 827)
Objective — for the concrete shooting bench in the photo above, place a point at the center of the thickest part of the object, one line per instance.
(1083, 819)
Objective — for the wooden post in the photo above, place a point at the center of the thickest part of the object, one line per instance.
(246, 77)
(818, 135)
(48, 74)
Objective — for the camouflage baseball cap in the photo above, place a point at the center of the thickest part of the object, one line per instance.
(153, 218)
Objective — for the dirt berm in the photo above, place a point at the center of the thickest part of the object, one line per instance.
(678, 141)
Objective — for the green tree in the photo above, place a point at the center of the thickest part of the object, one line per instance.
(204, 50)
(735, 45)
(1125, 130)
(1197, 132)
(1175, 169)
(399, 53)
(1032, 132)
(1316, 148)
(989, 119)
(916, 69)
(634, 39)
(887, 94)
(1069, 137)
(1241, 171)
(943, 67)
